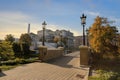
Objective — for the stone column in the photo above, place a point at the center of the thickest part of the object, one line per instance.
(84, 55)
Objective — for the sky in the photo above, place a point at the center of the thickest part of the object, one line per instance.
(58, 14)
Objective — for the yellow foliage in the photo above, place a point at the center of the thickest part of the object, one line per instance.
(101, 36)
(56, 39)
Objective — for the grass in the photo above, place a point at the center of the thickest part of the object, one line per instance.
(7, 65)
(106, 69)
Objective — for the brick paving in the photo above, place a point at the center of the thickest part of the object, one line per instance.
(64, 68)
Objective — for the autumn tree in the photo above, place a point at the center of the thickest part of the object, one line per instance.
(60, 41)
(118, 43)
(56, 39)
(102, 37)
(9, 38)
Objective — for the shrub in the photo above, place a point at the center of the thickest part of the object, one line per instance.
(25, 49)
(17, 49)
(105, 75)
(18, 61)
(6, 51)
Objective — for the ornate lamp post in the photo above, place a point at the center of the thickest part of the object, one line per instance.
(61, 38)
(83, 22)
(68, 39)
(43, 41)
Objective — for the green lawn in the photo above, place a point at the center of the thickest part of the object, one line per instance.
(106, 69)
(6, 65)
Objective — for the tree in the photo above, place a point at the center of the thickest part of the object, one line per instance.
(25, 38)
(9, 38)
(17, 49)
(102, 37)
(6, 51)
(119, 43)
(25, 42)
(56, 39)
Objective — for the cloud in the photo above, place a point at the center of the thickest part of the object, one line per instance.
(12, 23)
(92, 13)
(12, 17)
(117, 20)
(16, 23)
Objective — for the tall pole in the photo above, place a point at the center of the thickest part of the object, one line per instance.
(43, 41)
(83, 34)
(61, 38)
(87, 32)
(83, 22)
(68, 39)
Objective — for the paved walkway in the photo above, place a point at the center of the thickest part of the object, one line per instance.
(64, 68)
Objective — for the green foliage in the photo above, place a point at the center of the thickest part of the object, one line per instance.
(6, 51)
(25, 42)
(105, 75)
(4, 67)
(119, 43)
(9, 38)
(17, 49)
(22, 50)
(25, 38)
(18, 61)
(25, 49)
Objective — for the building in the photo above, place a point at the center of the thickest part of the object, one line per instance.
(49, 35)
(67, 35)
(35, 40)
(78, 40)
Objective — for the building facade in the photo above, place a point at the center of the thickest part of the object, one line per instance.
(50, 35)
(78, 40)
(35, 40)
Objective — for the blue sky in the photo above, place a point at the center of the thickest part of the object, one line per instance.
(59, 14)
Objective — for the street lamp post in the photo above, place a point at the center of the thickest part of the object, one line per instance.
(43, 41)
(83, 22)
(68, 39)
(61, 38)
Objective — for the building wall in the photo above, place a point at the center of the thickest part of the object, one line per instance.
(49, 36)
(66, 34)
(78, 40)
(35, 39)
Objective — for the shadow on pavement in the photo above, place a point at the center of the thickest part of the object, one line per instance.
(62, 61)
(2, 74)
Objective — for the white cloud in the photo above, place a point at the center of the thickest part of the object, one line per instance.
(12, 23)
(13, 17)
(16, 23)
(92, 13)
(117, 20)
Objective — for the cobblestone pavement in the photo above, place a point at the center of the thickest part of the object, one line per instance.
(64, 68)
